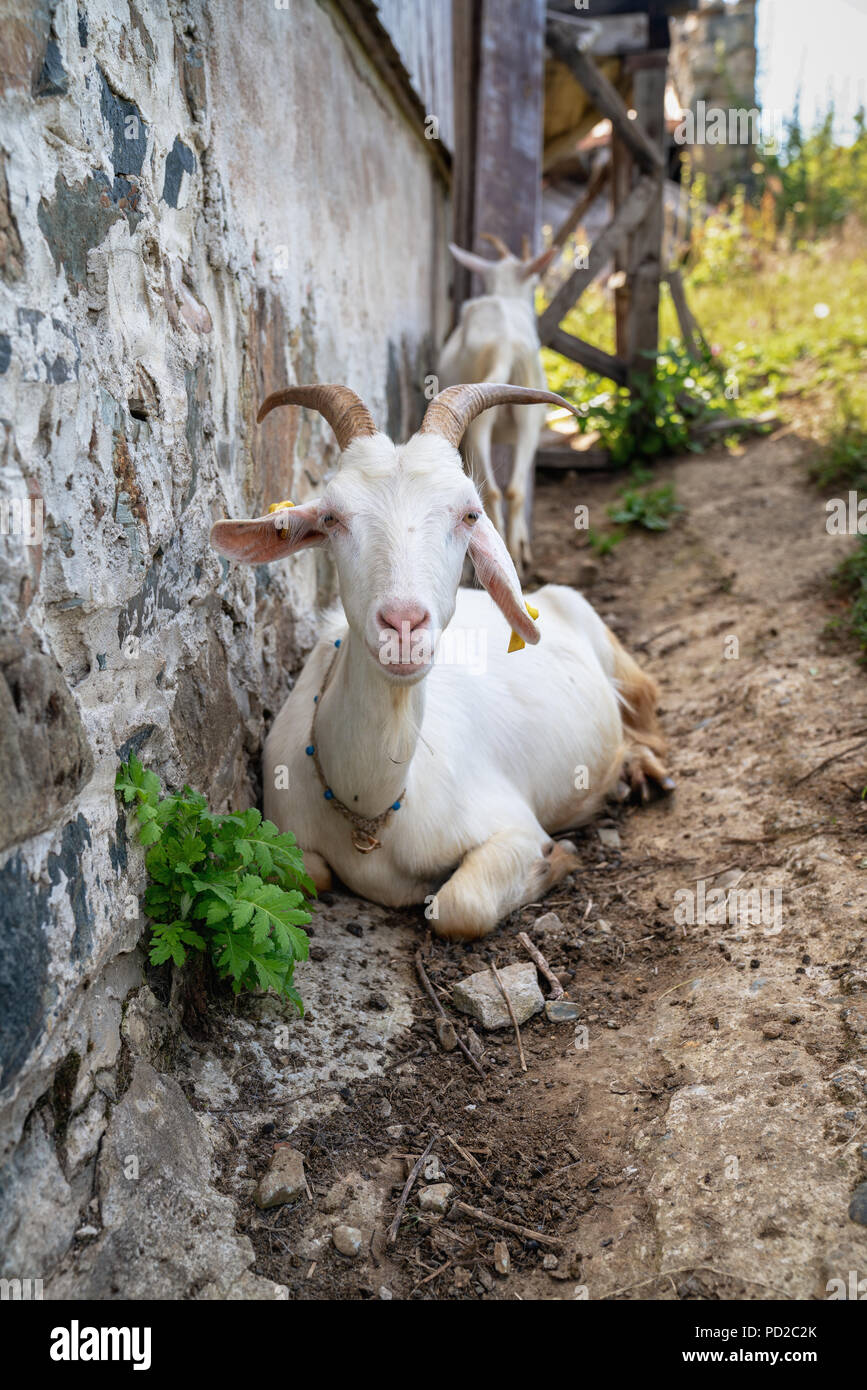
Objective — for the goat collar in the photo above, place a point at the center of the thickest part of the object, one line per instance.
(364, 828)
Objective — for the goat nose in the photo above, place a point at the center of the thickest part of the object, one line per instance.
(395, 615)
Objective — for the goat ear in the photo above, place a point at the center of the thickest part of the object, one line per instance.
(497, 573)
(477, 264)
(272, 537)
(540, 264)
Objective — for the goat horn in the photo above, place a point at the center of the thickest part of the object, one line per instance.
(345, 412)
(456, 407)
(497, 243)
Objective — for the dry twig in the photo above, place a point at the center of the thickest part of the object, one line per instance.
(431, 993)
(407, 1188)
(496, 974)
(523, 1231)
(557, 990)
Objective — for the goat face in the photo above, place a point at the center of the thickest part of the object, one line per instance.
(399, 520)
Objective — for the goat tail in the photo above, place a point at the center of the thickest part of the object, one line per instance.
(639, 697)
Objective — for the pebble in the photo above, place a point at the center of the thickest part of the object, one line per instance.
(609, 838)
(385, 1293)
(284, 1180)
(550, 1262)
(561, 1011)
(348, 1240)
(384, 1109)
(548, 922)
(479, 995)
(772, 1031)
(436, 1198)
(446, 1033)
(394, 1131)
(502, 1262)
(858, 1205)
(433, 1170)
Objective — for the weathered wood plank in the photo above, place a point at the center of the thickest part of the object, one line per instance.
(693, 337)
(604, 96)
(645, 253)
(586, 355)
(608, 37)
(582, 461)
(630, 216)
(582, 205)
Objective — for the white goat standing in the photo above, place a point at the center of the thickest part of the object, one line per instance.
(414, 778)
(496, 340)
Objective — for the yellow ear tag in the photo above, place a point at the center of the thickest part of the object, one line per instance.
(278, 506)
(516, 642)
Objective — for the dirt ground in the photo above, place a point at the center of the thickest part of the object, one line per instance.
(700, 1134)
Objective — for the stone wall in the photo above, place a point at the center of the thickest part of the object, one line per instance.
(199, 202)
(713, 59)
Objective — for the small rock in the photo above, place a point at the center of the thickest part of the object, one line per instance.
(550, 1262)
(771, 1031)
(384, 1293)
(858, 1205)
(436, 1197)
(475, 1045)
(394, 1131)
(355, 928)
(378, 1002)
(561, 1011)
(433, 1170)
(318, 953)
(479, 995)
(485, 1279)
(502, 1263)
(84, 1231)
(348, 1240)
(284, 1180)
(384, 1109)
(446, 1034)
(609, 838)
(549, 921)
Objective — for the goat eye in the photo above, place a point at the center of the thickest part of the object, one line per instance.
(471, 517)
(329, 520)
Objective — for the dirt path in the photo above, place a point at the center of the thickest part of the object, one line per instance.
(706, 1141)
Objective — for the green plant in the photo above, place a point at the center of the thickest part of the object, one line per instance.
(653, 508)
(230, 885)
(657, 415)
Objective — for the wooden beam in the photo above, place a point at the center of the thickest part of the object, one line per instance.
(583, 204)
(466, 20)
(586, 355)
(645, 248)
(630, 216)
(602, 8)
(510, 121)
(605, 97)
(608, 37)
(581, 460)
(693, 337)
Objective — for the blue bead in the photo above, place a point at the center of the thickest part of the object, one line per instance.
(328, 794)
(309, 750)
(316, 699)
(337, 643)
(396, 806)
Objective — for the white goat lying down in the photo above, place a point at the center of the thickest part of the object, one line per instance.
(496, 340)
(415, 778)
